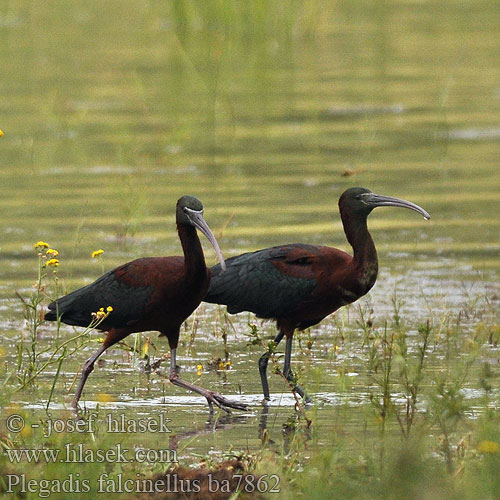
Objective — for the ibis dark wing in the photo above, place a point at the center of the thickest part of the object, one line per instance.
(128, 300)
(265, 282)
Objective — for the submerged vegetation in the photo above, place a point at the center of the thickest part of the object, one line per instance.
(268, 110)
(424, 400)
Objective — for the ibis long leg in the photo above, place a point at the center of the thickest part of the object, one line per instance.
(212, 397)
(86, 371)
(263, 362)
(287, 372)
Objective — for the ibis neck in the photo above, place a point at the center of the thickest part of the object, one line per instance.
(365, 254)
(194, 260)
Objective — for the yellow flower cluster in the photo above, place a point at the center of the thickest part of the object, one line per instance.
(1, 133)
(488, 447)
(224, 365)
(50, 253)
(199, 369)
(101, 313)
(96, 253)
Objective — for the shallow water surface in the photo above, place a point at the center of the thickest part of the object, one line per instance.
(267, 116)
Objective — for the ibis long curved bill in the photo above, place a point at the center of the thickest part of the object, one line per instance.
(297, 284)
(198, 220)
(378, 200)
(149, 293)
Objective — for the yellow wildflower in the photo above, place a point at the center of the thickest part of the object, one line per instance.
(228, 364)
(199, 367)
(41, 244)
(52, 262)
(488, 447)
(1, 133)
(102, 397)
(109, 309)
(26, 431)
(100, 314)
(96, 253)
(52, 252)
(145, 347)
(220, 365)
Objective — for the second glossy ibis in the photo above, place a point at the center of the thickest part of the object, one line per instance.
(298, 285)
(152, 293)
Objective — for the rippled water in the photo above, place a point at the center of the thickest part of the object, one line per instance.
(267, 116)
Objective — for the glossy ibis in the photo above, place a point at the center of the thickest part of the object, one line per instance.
(298, 285)
(152, 293)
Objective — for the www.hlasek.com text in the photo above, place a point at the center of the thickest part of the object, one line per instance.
(79, 453)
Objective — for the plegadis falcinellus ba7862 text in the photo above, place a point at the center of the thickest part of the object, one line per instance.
(298, 285)
(153, 293)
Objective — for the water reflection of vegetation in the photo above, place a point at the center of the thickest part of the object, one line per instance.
(413, 419)
(268, 110)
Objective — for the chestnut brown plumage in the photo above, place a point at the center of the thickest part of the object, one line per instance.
(152, 293)
(298, 285)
